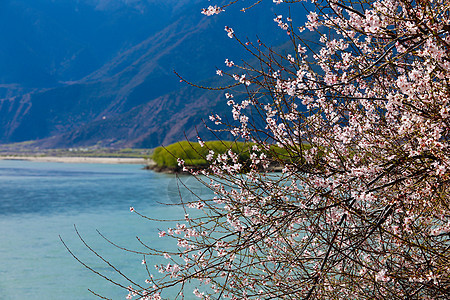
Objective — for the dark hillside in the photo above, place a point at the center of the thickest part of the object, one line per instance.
(107, 69)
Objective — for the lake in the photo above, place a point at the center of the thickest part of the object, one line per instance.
(39, 202)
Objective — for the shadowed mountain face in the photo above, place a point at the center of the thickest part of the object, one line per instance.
(85, 72)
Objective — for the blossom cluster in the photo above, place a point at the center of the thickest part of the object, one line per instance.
(212, 10)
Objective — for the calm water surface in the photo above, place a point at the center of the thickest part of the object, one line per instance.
(41, 201)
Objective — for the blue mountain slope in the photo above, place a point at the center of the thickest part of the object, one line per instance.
(67, 66)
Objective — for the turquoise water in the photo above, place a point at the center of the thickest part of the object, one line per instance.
(41, 201)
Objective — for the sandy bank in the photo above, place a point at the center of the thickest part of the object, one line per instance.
(68, 159)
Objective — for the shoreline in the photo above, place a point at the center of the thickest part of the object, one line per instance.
(76, 159)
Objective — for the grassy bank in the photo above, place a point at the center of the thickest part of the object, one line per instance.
(194, 155)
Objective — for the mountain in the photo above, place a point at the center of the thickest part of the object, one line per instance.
(88, 72)
(43, 42)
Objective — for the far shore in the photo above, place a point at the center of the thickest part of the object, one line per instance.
(70, 159)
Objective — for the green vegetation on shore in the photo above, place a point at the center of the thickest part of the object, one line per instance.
(195, 156)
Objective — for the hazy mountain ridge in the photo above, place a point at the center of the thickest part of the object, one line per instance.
(176, 119)
(132, 98)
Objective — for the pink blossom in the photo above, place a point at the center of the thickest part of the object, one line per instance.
(229, 63)
(230, 31)
(212, 10)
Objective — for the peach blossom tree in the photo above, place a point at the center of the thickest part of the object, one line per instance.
(358, 124)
